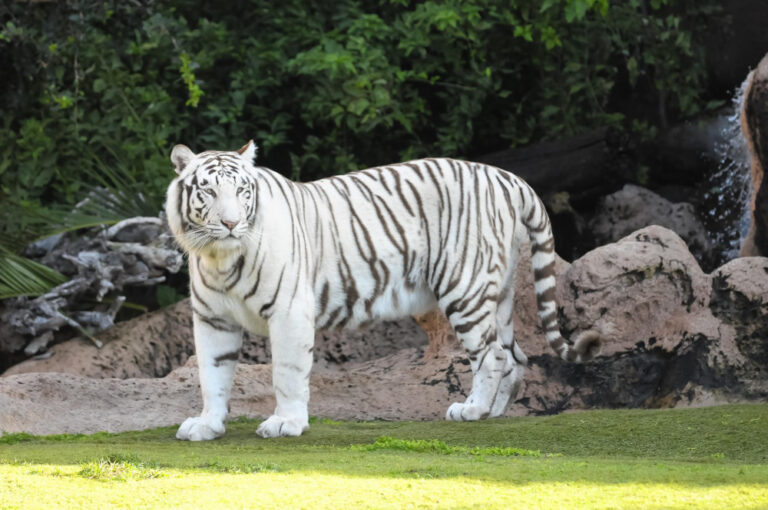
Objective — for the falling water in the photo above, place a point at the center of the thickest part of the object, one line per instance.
(730, 186)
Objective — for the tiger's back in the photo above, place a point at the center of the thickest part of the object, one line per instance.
(408, 230)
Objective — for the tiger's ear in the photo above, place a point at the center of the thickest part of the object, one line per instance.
(248, 151)
(181, 155)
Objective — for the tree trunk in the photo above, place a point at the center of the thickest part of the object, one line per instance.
(754, 125)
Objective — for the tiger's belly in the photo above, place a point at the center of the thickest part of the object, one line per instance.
(343, 301)
(399, 302)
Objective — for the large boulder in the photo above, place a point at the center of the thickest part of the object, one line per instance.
(673, 335)
(634, 207)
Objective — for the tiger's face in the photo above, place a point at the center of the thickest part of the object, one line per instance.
(212, 202)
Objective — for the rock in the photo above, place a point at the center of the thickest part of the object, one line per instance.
(670, 337)
(634, 207)
(679, 155)
(583, 163)
(739, 300)
(568, 225)
(641, 290)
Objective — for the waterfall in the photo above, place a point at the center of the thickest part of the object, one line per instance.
(729, 187)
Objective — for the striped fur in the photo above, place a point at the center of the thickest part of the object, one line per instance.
(274, 256)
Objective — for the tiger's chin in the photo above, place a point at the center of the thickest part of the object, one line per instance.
(221, 247)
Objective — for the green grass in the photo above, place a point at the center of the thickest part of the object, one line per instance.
(696, 458)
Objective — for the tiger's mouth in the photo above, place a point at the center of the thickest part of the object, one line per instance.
(230, 238)
(203, 239)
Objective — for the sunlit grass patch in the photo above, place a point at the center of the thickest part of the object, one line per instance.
(119, 467)
(407, 445)
(229, 467)
(324, 421)
(437, 446)
(22, 437)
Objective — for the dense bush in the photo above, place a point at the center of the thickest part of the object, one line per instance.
(325, 87)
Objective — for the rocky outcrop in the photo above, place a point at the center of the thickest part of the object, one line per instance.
(634, 207)
(673, 336)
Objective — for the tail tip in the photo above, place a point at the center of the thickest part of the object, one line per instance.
(587, 345)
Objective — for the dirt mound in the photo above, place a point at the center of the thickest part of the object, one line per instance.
(154, 344)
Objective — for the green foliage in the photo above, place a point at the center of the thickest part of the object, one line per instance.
(408, 445)
(325, 87)
(167, 295)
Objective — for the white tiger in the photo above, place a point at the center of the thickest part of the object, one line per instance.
(282, 258)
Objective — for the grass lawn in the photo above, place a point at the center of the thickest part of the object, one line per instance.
(696, 458)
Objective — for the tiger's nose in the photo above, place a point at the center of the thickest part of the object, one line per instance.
(229, 224)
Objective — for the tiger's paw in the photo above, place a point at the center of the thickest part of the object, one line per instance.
(498, 408)
(277, 426)
(200, 428)
(465, 412)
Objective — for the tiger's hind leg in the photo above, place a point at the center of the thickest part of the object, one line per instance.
(476, 331)
(515, 359)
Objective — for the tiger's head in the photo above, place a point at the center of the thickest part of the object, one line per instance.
(212, 202)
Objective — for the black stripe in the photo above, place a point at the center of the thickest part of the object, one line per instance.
(238, 269)
(230, 356)
(274, 297)
(256, 283)
(217, 323)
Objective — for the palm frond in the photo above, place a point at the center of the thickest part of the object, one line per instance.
(120, 191)
(20, 276)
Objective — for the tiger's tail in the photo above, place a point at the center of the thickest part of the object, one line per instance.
(587, 344)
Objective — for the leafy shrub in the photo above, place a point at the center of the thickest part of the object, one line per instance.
(325, 87)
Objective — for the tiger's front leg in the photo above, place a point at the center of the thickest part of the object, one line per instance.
(217, 345)
(292, 337)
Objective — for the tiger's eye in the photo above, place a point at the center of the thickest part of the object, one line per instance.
(211, 192)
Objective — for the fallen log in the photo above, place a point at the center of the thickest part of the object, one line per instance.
(581, 164)
(100, 263)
